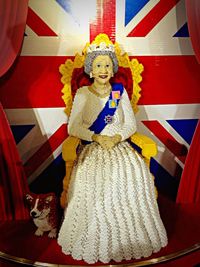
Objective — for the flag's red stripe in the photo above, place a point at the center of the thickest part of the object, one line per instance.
(38, 25)
(152, 18)
(105, 19)
(46, 150)
(35, 81)
(179, 150)
(170, 80)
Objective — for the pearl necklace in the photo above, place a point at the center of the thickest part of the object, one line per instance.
(104, 93)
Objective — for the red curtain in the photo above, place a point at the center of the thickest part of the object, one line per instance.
(193, 16)
(13, 181)
(13, 14)
(189, 188)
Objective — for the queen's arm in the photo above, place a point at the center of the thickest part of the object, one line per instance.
(77, 132)
(76, 126)
(129, 130)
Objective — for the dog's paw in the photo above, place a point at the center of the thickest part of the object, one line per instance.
(53, 233)
(39, 232)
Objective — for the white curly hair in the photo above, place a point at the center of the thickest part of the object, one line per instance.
(90, 57)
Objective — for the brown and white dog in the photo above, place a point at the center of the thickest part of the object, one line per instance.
(44, 212)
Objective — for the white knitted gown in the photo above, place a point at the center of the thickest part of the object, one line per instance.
(112, 211)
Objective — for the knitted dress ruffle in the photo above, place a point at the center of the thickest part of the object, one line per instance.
(112, 211)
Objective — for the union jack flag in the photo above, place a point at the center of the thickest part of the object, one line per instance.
(153, 31)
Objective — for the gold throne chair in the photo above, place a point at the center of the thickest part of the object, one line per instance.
(73, 77)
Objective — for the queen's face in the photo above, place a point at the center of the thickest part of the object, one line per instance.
(102, 69)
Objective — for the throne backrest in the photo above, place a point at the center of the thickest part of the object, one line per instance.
(73, 75)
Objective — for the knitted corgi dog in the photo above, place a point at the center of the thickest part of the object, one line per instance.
(44, 212)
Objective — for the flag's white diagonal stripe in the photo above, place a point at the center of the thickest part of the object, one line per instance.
(139, 16)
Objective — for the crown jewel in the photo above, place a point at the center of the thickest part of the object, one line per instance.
(100, 47)
(100, 43)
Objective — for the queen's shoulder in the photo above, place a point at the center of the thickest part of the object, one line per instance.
(82, 90)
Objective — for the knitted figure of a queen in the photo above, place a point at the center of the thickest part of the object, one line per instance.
(111, 211)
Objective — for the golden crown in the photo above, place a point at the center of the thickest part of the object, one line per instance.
(101, 47)
(100, 43)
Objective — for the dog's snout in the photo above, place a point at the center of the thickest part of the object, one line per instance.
(33, 214)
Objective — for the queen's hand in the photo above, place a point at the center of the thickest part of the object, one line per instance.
(105, 141)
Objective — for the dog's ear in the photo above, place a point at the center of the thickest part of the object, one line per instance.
(48, 199)
(29, 198)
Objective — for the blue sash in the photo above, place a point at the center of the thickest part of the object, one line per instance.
(106, 115)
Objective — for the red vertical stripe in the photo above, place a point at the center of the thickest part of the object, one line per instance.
(105, 19)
